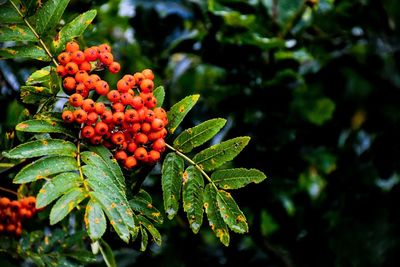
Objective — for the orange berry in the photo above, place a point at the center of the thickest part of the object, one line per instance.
(131, 115)
(80, 116)
(71, 68)
(61, 71)
(4, 201)
(120, 155)
(149, 115)
(159, 145)
(118, 138)
(89, 83)
(104, 48)
(91, 53)
(157, 124)
(88, 131)
(130, 79)
(130, 162)
(76, 100)
(71, 46)
(140, 153)
(148, 74)
(139, 77)
(102, 87)
(107, 116)
(106, 58)
(114, 96)
(126, 98)
(146, 127)
(132, 147)
(78, 56)
(101, 128)
(160, 113)
(85, 65)
(147, 86)
(137, 102)
(67, 117)
(92, 117)
(152, 103)
(118, 107)
(99, 107)
(118, 117)
(96, 139)
(114, 67)
(64, 58)
(88, 105)
(135, 127)
(154, 156)
(95, 77)
(123, 86)
(141, 139)
(80, 76)
(82, 90)
(69, 83)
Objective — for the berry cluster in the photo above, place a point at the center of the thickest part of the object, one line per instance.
(129, 122)
(12, 212)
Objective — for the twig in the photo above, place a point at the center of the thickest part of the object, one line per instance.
(8, 190)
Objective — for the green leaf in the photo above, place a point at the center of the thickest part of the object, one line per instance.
(237, 178)
(152, 230)
(45, 167)
(198, 135)
(41, 148)
(172, 170)
(49, 15)
(73, 29)
(215, 220)
(179, 111)
(159, 94)
(112, 200)
(216, 155)
(43, 126)
(16, 33)
(230, 212)
(107, 254)
(95, 220)
(39, 76)
(145, 239)
(57, 186)
(35, 94)
(28, 51)
(113, 214)
(66, 204)
(144, 195)
(192, 196)
(111, 163)
(146, 208)
(8, 14)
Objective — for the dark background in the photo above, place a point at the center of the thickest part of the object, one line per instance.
(318, 90)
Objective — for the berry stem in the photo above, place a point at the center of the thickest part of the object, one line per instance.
(8, 190)
(35, 33)
(189, 160)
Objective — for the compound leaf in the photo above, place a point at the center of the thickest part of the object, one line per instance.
(192, 195)
(73, 29)
(215, 220)
(237, 178)
(66, 204)
(48, 16)
(40, 148)
(216, 155)
(198, 135)
(230, 212)
(57, 186)
(172, 170)
(45, 167)
(179, 111)
(95, 220)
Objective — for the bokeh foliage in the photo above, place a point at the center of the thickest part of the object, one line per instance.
(317, 89)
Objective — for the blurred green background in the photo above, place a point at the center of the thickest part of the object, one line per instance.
(316, 86)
